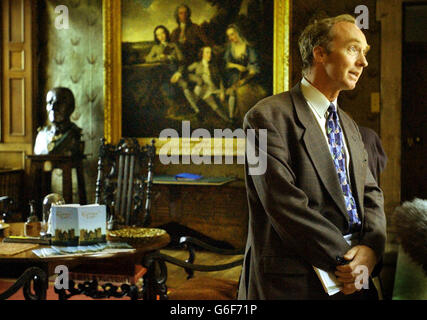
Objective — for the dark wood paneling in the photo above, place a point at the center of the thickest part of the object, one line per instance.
(220, 213)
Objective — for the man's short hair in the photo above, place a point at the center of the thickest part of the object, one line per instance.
(318, 33)
(188, 12)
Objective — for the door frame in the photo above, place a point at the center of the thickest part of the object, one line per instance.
(389, 13)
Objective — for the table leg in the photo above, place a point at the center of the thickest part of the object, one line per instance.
(35, 274)
(154, 286)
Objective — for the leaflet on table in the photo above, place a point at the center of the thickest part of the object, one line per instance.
(74, 224)
(57, 251)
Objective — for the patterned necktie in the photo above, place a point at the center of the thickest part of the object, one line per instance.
(336, 146)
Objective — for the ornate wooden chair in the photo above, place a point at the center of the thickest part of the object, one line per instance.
(195, 287)
(124, 181)
(125, 176)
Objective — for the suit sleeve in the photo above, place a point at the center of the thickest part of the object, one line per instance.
(313, 237)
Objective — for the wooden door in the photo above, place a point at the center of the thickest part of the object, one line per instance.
(17, 86)
(414, 121)
(17, 89)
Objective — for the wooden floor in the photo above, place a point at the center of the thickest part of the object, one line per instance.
(177, 275)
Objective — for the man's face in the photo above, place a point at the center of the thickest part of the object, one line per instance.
(182, 14)
(161, 35)
(207, 53)
(56, 109)
(346, 60)
(232, 35)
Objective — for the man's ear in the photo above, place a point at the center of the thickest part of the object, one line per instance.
(319, 54)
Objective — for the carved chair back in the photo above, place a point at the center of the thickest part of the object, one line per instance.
(124, 182)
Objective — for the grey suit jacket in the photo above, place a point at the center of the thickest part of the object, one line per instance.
(297, 215)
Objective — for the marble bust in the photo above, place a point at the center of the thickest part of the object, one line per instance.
(60, 136)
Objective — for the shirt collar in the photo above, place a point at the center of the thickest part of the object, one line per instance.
(315, 98)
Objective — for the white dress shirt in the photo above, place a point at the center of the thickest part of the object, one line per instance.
(319, 105)
(182, 37)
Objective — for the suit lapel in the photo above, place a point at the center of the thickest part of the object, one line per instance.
(358, 162)
(316, 145)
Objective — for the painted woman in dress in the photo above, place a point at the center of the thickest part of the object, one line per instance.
(241, 65)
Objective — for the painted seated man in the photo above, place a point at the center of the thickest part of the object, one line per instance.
(170, 56)
(209, 84)
(60, 136)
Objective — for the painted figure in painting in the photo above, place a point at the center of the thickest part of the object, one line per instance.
(188, 35)
(159, 90)
(169, 54)
(209, 85)
(61, 136)
(241, 67)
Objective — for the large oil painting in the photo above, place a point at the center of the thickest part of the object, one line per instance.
(206, 61)
(203, 62)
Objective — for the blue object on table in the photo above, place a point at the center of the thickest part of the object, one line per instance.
(187, 176)
(203, 181)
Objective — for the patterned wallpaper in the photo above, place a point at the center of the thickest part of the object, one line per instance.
(73, 58)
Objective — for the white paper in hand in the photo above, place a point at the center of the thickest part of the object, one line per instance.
(328, 279)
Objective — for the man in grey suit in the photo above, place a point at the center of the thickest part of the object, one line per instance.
(317, 187)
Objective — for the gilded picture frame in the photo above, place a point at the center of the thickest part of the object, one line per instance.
(112, 31)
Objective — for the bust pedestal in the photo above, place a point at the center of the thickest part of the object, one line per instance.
(41, 184)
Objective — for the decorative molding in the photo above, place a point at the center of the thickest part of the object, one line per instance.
(112, 69)
(282, 32)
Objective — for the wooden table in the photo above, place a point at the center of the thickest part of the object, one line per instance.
(39, 269)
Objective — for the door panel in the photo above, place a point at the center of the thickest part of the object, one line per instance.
(414, 121)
